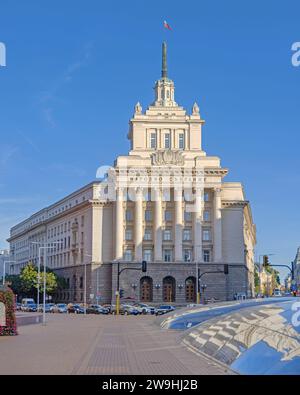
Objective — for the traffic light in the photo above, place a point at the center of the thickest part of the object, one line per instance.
(266, 261)
(144, 266)
(226, 268)
(121, 293)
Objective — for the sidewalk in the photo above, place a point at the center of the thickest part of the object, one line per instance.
(74, 344)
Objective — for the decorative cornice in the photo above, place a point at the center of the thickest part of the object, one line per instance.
(234, 203)
(215, 171)
(100, 203)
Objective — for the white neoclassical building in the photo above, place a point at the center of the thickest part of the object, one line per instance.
(165, 202)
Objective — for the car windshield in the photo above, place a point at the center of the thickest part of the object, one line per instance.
(61, 305)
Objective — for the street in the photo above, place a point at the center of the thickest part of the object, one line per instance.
(74, 344)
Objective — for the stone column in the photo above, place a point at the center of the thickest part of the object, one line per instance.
(197, 225)
(178, 224)
(119, 226)
(138, 225)
(217, 226)
(157, 232)
(94, 243)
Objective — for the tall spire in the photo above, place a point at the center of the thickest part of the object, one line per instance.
(164, 70)
(164, 87)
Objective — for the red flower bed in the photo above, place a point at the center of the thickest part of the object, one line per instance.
(8, 298)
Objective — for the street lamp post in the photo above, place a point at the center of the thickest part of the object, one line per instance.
(84, 295)
(45, 247)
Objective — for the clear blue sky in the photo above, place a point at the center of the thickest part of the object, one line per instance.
(75, 69)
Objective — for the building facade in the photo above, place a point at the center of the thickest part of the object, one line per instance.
(165, 202)
(4, 257)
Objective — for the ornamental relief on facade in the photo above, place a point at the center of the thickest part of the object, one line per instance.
(167, 157)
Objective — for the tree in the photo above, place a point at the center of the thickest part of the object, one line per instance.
(15, 283)
(29, 280)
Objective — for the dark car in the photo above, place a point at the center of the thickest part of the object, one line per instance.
(76, 308)
(97, 309)
(163, 309)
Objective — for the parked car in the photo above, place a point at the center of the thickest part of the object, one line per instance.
(18, 306)
(26, 303)
(75, 308)
(59, 308)
(163, 309)
(131, 310)
(146, 309)
(47, 307)
(108, 307)
(113, 309)
(97, 309)
(32, 307)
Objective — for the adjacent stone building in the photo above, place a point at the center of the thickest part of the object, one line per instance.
(165, 202)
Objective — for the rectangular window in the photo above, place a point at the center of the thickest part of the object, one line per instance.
(187, 216)
(206, 255)
(147, 195)
(128, 234)
(187, 234)
(167, 255)
(128, 255)
(167, 140)
(166, 195)
(167, 235)
(147, 255)
(206, 236)
(187, 255)
(153, 140)
(181, 141)
(206, 197)
(82, 220)
(148, 215)
(206, 215)
(148, 234)
(128, 215)
(168, 215)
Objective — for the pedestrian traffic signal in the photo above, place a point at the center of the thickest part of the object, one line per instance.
(226, 268)
(144, 266)
(121, 293)
(266, 261)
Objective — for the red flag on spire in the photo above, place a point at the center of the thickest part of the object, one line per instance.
(167, 26)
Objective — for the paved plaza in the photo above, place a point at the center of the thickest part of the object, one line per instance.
(74, 344)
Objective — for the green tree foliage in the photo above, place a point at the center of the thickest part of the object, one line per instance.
(28, 277)
(26, 283)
